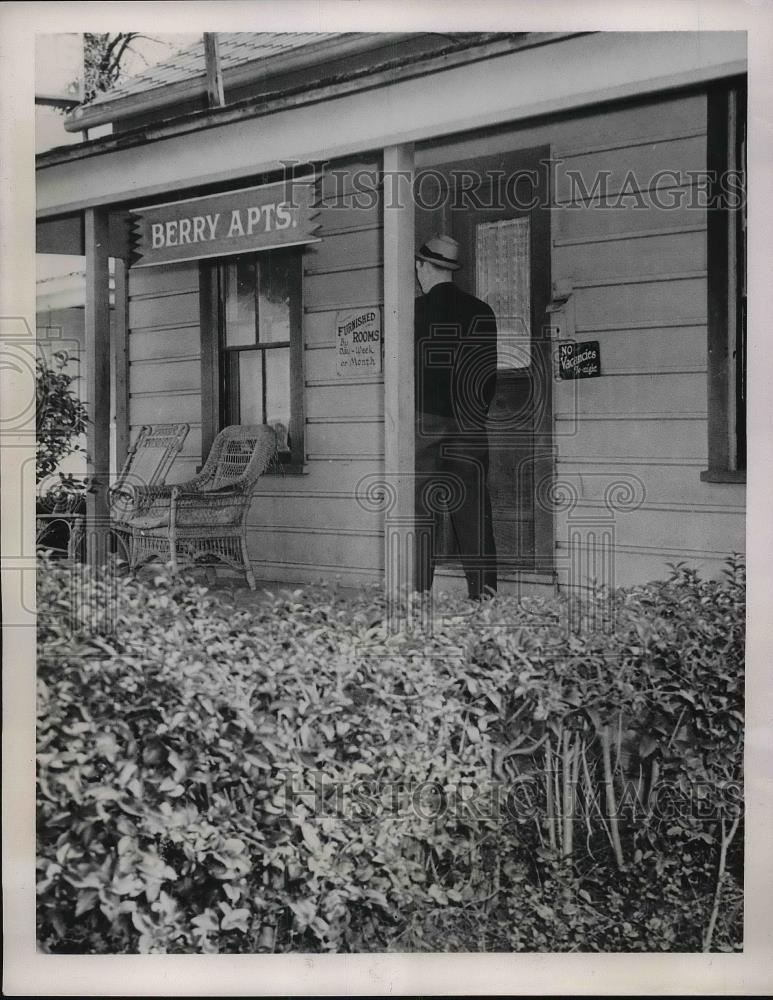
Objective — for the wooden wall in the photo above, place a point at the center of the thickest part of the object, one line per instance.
(630, 445)
(636, 439)
(307, 526)
(310, 527)
(164, 356)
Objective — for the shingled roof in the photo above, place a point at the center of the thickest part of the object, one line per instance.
(236, 49)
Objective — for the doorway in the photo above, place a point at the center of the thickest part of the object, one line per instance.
(498, 209)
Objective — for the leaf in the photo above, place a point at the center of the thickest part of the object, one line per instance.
(436, 893)
(86, 901)
(305, 911)
(207, 921)
(127, 885)
(235, 920)
(310, 837)
(231, 891)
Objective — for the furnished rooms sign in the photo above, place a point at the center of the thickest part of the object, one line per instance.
(358, 342)
(579, 360)
(259, 218)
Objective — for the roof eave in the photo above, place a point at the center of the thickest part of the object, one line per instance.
(90, 116)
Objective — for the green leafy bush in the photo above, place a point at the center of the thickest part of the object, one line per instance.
(61, 417)
(297, 778)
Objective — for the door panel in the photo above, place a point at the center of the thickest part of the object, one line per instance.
(503, 227)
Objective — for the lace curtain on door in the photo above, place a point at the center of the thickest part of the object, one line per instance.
(503, 263)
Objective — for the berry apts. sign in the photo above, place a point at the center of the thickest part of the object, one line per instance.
(259, 218)
(579, 360)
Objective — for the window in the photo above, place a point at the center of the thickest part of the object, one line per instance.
(726, 257)
(503, 279)
(252, 365)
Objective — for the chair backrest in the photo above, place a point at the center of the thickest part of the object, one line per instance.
(151, 455)
(239, 451)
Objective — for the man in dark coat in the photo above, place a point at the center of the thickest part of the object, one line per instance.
(456, 361)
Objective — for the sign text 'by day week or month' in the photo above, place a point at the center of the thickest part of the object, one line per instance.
(359, 342)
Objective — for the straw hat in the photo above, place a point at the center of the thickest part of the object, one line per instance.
(441, 250)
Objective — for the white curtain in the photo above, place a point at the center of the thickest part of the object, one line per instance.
(502, 280)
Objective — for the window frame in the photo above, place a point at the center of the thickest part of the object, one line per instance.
(726, 292)
(214, 357)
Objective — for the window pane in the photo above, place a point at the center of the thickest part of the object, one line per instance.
(278, 393)
(250, 387)
(274, 296)
(240, 302)
(502, 255)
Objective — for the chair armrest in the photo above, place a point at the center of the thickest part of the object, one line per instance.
(213, 507)
(148, 499)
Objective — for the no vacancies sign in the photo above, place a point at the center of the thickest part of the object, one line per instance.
(259, 218)
(579, 360)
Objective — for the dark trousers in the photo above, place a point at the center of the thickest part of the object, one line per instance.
(452, 476)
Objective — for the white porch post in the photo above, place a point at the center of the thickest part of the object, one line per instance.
(97, 317)
(399, 291)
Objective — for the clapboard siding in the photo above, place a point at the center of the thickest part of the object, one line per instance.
(631, 125)
(167, 374)
(651, 407)
(334, 551)
(655, 392)
(164, 356)
(146, 345)
(341, 249)
(658, 301)
(179, 308)
(164, 407)
(157, 280)
(332, 511)
(578, 222)
(675, 529)
(672, 251)
(631, 437)
(353, 438)
(339, 289)
(664, 485)
(627, 169)
(367, 390)
(667, 348)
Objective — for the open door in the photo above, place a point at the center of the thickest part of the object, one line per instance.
(498, 210)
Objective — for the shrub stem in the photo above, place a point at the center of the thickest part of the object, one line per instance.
(727, 839)
(551, 809)
(611, 803)
(567, 804)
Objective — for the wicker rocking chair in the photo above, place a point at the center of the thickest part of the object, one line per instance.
(206, 517)
(147, 464)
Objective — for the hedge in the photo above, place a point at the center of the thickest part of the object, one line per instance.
(533, 775)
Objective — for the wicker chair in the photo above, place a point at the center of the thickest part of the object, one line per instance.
(207, 515)
(147, 463)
